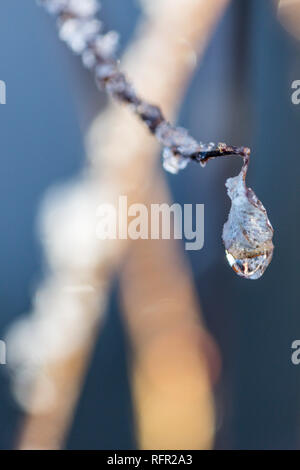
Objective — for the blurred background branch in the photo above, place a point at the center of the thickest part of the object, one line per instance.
(174, 360)
(289, 15)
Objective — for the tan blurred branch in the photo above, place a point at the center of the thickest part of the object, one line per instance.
(289, 15)
(174, 359)
(161, 59)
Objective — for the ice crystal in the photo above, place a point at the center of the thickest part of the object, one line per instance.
(248, 233)
(176, 137)
(83, 8)
(207, 147)
(104, 72)
(54, 6)
(120, 88)
(89, 59)
(106, 45)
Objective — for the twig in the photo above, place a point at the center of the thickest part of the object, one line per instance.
(73, 255)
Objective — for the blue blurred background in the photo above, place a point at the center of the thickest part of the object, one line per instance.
(240, 94)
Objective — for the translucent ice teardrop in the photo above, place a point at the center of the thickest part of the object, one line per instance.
(247, 234)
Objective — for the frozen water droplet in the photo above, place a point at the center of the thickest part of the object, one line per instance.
(203, 163)
(248, 233)
(172, 162)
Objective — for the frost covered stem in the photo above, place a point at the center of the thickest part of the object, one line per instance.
(222, 150)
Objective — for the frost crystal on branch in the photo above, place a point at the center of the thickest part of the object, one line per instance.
(247, 234)
(172, 162)
(81, 8)
(77, 33)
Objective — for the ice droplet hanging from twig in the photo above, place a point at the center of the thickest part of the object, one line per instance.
(247, 234)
